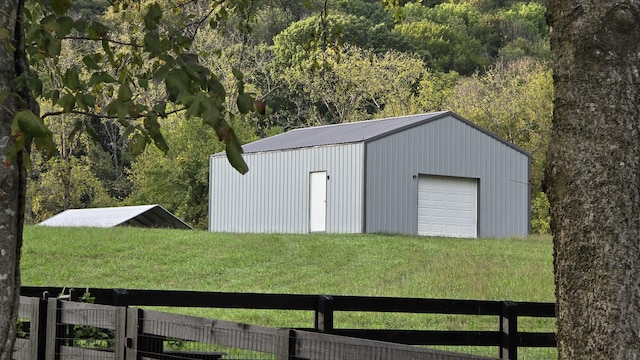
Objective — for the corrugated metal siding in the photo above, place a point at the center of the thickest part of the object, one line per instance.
(273, 197)
(447, 147)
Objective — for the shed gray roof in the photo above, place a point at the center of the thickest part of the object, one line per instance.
(354, 132)
(338, 133)
(153, 216)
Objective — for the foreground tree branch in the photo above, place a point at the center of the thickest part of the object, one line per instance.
(31, 38)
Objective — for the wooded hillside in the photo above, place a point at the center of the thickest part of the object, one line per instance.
(308, 63)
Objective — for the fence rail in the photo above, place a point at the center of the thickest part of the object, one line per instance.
(144, 334)
(507, 337)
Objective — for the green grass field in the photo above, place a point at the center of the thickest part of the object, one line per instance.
(333, 264)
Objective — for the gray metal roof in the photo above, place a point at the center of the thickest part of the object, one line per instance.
(361, 131)
(153, 216)
(338, 133)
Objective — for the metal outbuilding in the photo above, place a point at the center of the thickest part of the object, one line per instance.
(151, 216)
(433, 174)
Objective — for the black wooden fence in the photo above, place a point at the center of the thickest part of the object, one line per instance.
(73, 331)
(506, 338)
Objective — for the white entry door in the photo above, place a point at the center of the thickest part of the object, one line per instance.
(318, 201)
(447, 206)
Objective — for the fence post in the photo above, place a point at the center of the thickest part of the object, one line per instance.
(120, 343)
(509, 331)
(324, 314)
(120, 297)
(73, 295)
(123, 342)
(41, 345)
(133, 333)
(286, 344)
(53, 318)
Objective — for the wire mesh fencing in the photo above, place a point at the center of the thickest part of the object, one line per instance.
(174, 336)
(27, 331)
(321, 346)
(85, 331)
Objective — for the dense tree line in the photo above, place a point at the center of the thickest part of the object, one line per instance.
(323, 62)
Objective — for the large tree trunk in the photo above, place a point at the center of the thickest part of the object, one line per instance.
(12, 177)
(593, 177)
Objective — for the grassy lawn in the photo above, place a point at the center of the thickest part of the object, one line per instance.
(334, 264)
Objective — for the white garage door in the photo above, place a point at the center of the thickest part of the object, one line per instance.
(447, 206)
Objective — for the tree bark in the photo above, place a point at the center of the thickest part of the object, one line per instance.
(593, 177)
(12, 176)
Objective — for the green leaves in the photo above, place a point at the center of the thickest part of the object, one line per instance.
(153, 128)
(245, 103)
(125, 93)
(152, 17)
(92, 61)
(233, 149)
(137, 144)
(97, 30)
(86, 101)
(67, 102)
(64, 25)
(237, 74)
(207, 102)
(118, 108)
(196, 105)
(178, 84)
(211, 115)
(35, 84)
(72, 79)
(216, 89)
(31, 124)
(109, 78)
(153, 44)
(25, 125)
(60, 6)
(101, 77)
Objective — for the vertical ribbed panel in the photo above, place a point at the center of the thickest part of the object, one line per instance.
(446, 147)
(273, 197)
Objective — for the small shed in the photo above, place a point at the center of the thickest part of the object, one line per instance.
(433, 174)
(149, 216)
